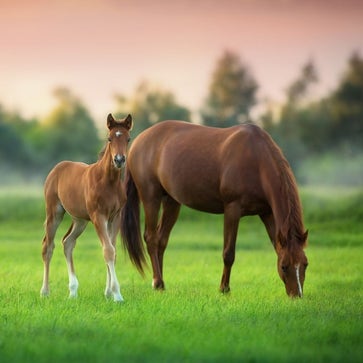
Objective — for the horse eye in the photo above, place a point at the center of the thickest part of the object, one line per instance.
(128, 139)
(109, 139)
(284, 268)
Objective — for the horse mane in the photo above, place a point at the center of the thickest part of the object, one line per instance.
(292, 227)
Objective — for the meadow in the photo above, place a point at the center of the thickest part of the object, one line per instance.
(190, 321)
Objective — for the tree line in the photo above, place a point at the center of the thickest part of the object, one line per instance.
(303, 127)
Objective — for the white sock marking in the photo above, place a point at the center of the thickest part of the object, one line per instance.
(73, 285)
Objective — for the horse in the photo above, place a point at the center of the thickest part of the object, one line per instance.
(90, 193)
(236, 171)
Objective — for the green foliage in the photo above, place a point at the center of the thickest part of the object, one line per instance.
(149, 105)
(15, 150)
(33, 147)
(347, 105)
(308, 130)
(232, 93)
(190, 321)
(70, 131)
(298, 90)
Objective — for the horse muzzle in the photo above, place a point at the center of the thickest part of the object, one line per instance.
(119, 161)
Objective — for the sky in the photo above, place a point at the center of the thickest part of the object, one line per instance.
(100, 48)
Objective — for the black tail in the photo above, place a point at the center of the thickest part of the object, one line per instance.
(130, 225)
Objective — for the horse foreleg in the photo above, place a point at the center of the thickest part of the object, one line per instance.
(53, 219)
(232, 214)
(113, 228)
(109, 254)
(69, 242)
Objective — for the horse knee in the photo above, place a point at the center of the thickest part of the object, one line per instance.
(228, 257)
(109, 253)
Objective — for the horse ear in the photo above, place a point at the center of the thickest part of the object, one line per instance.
(110, 121)
(305, 237)
(128, 122)
(306, 234)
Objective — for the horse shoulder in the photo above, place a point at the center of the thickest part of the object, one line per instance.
(243, 153)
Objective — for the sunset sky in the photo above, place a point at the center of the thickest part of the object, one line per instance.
(99, 48)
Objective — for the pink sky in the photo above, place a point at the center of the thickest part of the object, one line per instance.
(98, 48)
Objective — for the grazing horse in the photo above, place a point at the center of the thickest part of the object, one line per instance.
(237, 171)
(90, 193)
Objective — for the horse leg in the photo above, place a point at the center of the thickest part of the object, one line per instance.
(109, 254)
(54, 216)
(69, 241)
(171, 209)
(232, 214)
(113, 229)
(152, 241)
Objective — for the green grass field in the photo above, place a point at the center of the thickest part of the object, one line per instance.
(190, 321)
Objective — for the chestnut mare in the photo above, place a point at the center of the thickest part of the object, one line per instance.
(90, 193)
(237, 171)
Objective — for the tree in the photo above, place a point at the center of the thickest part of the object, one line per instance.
(299, 89)
(149, 105)
(68, 132)
(232, 93)
(15, 151)
(346, 106)
(298, 119)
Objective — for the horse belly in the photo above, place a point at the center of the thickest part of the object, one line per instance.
(210, 206)
(75, 205)
(197, 191)
(71, 190)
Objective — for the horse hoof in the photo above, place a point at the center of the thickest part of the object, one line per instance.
(44, 293)
(108, 293)
(158, 285)
(118, 299)
(225, 289)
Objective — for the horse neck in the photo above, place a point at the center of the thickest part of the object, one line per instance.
(286, 205)
(292, 226)
(106, 167)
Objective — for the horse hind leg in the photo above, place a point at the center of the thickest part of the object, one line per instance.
(170, 214)
(152, 240)
(69, 242)
(232, 213)
(54, 216)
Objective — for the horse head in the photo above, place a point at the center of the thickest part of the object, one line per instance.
(118, 138)
(292, 263)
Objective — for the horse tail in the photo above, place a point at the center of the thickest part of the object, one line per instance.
(130, 224)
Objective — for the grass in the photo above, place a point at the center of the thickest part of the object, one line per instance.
(190, 321)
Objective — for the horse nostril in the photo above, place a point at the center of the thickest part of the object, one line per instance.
(119, 160)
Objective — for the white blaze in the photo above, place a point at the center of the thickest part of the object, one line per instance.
(297, 268)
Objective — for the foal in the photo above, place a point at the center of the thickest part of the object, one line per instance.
(89, 193)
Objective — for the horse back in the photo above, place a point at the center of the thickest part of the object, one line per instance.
(202, 167)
